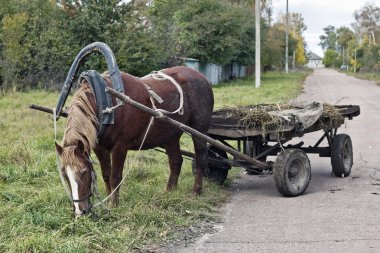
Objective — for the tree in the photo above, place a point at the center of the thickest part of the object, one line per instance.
(296, 41)
(368, 21)
(330, 58)
(41, 43)
(13, 33)
(209, 37)
(328, 40)
(274, 46)
(161, 15)
(266, 8)
(40, 38)
(296, 22)
(300, 51)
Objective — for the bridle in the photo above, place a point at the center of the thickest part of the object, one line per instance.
(89, 195)
(94, 182)
(93, 186)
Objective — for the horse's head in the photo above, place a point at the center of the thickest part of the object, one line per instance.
(78, 172)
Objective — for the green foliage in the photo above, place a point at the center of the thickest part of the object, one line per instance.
(273, 51)
(328, 40)
(344, 36)
(33, 49)
(40, 38)
(209, 37)
(371, 57)
(162, 17)
(13, 33)
(330, 58)
(300, 51)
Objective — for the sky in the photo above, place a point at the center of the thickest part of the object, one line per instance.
(318, 14)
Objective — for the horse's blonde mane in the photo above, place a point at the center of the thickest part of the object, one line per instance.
(81, 126)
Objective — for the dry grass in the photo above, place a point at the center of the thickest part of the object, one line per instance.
(260, 117)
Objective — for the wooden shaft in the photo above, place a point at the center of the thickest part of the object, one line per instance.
(193, 132)
(46, 109)
(192, 155)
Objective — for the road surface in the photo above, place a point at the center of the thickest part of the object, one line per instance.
(334, 214)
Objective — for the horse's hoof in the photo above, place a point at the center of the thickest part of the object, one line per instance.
(196, 193)
(114, 202)
(113, 205)
(170, 188)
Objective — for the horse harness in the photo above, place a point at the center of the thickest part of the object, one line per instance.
(106, 116)
(105, 112)
(160, 76)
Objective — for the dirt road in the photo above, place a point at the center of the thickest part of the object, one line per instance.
(334, 214)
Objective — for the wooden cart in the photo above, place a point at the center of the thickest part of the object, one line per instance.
(291, 169)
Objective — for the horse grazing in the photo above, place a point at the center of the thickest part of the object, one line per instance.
(128, 130)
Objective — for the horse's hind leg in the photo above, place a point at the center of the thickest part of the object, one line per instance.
(201, 163)
(175, 162)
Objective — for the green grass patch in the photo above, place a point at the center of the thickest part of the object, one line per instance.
(36, 216)
(372, 76)
(276, 87)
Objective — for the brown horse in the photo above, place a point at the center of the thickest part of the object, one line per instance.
(128, 131)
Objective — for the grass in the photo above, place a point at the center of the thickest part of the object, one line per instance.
(276, 87)
(36, 216)
(373, 76)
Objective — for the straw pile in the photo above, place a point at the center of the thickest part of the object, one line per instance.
(258, 116)
(330, 116)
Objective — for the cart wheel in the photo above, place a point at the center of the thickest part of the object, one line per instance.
(215, 172)
(292, 172)
(341, 155)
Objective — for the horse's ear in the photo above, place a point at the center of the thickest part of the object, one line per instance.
(58, 148)
(80, 147)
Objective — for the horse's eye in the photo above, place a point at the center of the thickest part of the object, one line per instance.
(82, 172)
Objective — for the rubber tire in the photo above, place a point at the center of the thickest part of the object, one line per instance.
(341, 155)
(215, 173)
(296, 184)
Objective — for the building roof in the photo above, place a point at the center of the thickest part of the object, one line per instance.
(313, 56)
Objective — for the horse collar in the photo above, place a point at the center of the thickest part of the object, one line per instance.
(103, 99)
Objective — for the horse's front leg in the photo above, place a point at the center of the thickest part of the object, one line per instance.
(119, 153)
(104, 158)
(175, 162)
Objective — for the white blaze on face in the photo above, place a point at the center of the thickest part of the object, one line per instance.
(74, 188)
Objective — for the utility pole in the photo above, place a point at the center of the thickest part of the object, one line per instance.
(286, 39)
(257, 49)
(355, 58)
(294, 60)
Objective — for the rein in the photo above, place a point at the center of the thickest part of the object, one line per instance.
(58, 160)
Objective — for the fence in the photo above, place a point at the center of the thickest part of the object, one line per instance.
(216, 73)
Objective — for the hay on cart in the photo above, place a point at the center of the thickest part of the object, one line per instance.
(264, 117)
